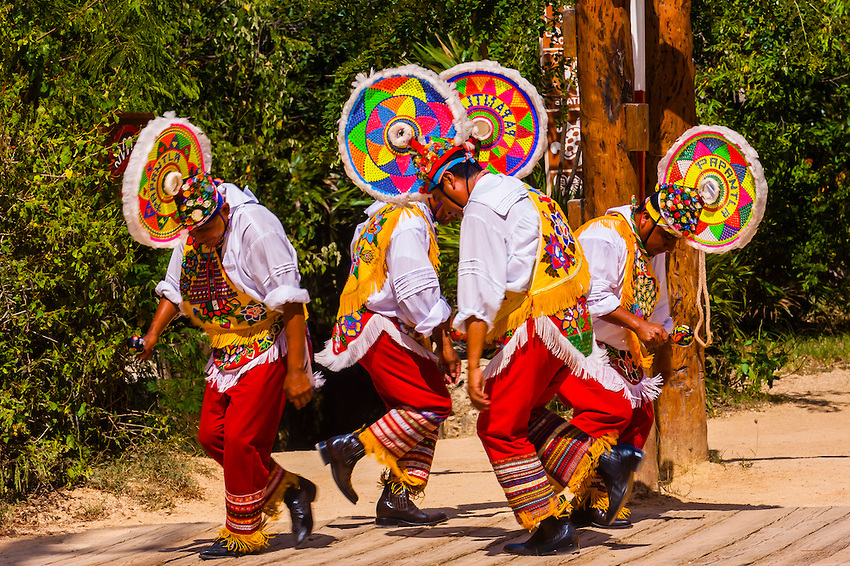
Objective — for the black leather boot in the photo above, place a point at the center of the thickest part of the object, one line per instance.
(553, 536)
(218, 550)
(395, 509)
(342, 452)
(616, 468)
(583, 517)
(300, 510)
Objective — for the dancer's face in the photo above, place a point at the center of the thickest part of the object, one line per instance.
(212, 233)
(655, 239)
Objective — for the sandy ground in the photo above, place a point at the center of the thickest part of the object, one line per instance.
(793, 453)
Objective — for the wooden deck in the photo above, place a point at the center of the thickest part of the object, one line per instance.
(475, 534)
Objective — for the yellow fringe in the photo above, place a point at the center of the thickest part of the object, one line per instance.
(245, 544)
(543, 302)
(375, 448)
(240, 336)
(373, 275)
(529, 521)
(581, 480)
(621, 226)
(599, 500)
(274, 506)
(547, 295)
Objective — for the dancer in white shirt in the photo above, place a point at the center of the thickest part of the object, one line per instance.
(389, 309)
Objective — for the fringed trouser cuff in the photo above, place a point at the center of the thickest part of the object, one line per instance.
(596, 497)
(244, 512)
(527, 489)
(568, 455)
(395, 435)
(417, 462)
(245, 543)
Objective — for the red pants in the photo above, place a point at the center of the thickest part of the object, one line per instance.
(637, 433)
(238, 430)
(598, 411)
(414, 391)
(405, 379)
(524, 387)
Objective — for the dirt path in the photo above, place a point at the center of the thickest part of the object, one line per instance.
(789, 457)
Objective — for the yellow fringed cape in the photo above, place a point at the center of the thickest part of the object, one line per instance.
(640, 285)
(560, 277)
(369, 259)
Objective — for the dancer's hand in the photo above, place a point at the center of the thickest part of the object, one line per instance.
(449, 362)
(475, 388)
(149, 341)
(297, 387)
(652, 335)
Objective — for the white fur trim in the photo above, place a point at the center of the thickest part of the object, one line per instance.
(752, 156)
(595, 366)
(492, 67)
(358, 347)
(362, 82)
(136, 167)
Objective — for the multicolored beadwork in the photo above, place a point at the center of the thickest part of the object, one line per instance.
(386, 111)
(724, 170)
(682, 335)
(508, 115)
(680, 208)
(198, 200)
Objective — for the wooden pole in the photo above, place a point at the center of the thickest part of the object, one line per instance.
(605, 78)
(680, 411)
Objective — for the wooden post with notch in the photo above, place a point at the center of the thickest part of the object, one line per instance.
(612, 126)
(680, 411)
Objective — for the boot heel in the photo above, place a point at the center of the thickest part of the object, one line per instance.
(322, 447)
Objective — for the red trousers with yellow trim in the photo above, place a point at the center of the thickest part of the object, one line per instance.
(522, 389)
(598, 411)
(414, 391)
(238, 429)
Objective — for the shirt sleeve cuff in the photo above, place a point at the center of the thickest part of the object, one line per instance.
(460, 322)
(286, 294)
(438, 314)
(170, 292)
(604, 306)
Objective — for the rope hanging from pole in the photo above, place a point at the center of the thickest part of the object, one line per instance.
(702, 293)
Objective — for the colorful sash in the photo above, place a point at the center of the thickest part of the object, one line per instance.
(561, 279)
(369, 273)
(640, 286)
(240, 328)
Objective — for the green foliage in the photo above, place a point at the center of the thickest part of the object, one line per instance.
(820, 353)
(776, 72)
(266, 81)
(743, 357)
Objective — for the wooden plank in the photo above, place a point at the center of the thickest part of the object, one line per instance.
(733, 528)
(145, 544)
(441, 543)
(637, 126)
(641, 543)
(769, 536)
(806, 532)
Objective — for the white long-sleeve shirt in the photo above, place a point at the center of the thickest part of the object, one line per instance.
(259, 259)
(606, 255)
(411, 291)
(498, 247)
